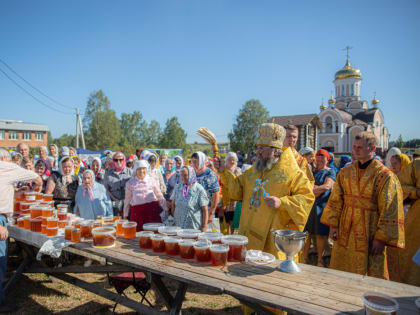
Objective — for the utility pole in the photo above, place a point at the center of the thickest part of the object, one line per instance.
(79, 128)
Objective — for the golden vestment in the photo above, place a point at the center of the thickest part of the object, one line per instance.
(285, 181)
(304, 166)
(408, 271)
(365, 204)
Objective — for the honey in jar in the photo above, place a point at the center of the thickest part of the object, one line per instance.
(119, 228)
(52, 222)
(219, 253)
(62, 216)
(96, 224)
(48, 197)
(202, 251)
(19, 222)
(86, 229)
(36, 211)
(76, 223)
(44, 221)
(237, 246)
(115, 218)
(158, 243)
(129, 229)
(144, 239)
(36, 225)
(62, 224)
(186, 248)
(24, 207)
(75, 235)
(62, 207)
(47, 212)
(108, 219)
(16, 205)
(27, 222)
(44, 229)
(171, 246)
(30, 196)
(67, 232)
(103, 237)
(52, 231)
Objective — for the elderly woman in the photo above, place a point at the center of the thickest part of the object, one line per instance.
(115, 181)
(17, 158)
(324, 182)
(155, 172)
(96, 167)
(399, 162)
(190, 201)
(54, 155)
(143, 198)
(41, 168)
(92, 200)
(64, 183)
(309, 154)
(43, 152)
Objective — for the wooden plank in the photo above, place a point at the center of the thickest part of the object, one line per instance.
(162, 290)
(11, 282)
(179, 298)
(108, 294)
(80, 269)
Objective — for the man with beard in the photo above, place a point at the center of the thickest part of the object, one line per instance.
(292, 136)
(275, 192)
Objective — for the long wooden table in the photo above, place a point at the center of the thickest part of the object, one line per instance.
(315, 290)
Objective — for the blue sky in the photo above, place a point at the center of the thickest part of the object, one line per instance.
(202, 60)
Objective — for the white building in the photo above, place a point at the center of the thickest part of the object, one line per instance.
(347, 114)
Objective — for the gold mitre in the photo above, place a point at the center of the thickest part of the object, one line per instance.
(271, 135)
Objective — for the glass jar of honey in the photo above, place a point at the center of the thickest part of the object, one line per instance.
(62, 224)
(169, 230)
(47, 212)
(158, 243)
(214, 237)
(219, 253)
(75, 235)
(103, 237)
(76, 223)
(47, 197)
(237, 246)
(30, 196)
(86, 229)
(96, 224)
(202, 251)
(16, 205)
(62, 215)
(119, 223)
(67, 232)
(24, 208)
(52, 231)
(62, 207)
(20, 223)
(188, 233)
(36, 211)
(43, 229)
(129, 229)
(152, 227)
(108, 219)
(36, 224)
(115, 218)
(144, 239)
(52, 222)
(27, 222)
(186, 248)
(171, 246)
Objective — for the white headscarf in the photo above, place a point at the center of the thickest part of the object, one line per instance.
(391, 152)
(141, 163)
(202, 158)
(99, 162)
(60, 169)
(145, 155)
(232, 154)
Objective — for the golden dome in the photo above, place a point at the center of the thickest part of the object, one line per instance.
(375, 101)
(331, 100)
(348, 72)
(322, 107)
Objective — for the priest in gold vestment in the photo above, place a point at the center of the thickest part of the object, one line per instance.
(290, 140)
(365, 213)
(408, 271)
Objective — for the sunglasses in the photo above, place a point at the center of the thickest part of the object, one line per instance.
(118, 160)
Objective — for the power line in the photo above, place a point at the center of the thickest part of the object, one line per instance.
(35, 98)
(32, 86)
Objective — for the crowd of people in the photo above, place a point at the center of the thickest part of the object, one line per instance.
(365, 208)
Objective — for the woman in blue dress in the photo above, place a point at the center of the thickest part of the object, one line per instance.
(324, 182)
(190, 201)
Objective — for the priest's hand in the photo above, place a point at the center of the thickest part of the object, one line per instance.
(272, 202)
(3, 233)
(377, 247)
(334, 233)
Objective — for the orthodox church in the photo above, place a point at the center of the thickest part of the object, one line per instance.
(347, 114)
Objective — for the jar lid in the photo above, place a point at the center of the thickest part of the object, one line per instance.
(109, 225)
(145, 233)
(68, 227)
(103, 231)
(211, 236)
(219, 248)
(188, 233)
(202, 244)
(186, 242)
(152, 226)
(172, 240)
(380, 302)
(62, 205)
(169, 230)
(157, 237)
(37, 219)
(121, 221)
(86, 223)
(30, 193)
(108, 219)
(128, 224)
(47, 195)
(52, 219)
(235, 240)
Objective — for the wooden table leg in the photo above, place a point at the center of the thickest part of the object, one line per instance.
(174, 305)
(26, 262)
(179, 298)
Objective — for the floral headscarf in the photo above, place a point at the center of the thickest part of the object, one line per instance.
(60, 169)
(88, 190)
(114, 165)
(202, 158)
(192, 178)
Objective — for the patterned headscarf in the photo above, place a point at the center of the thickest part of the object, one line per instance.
(114, 165)
(60, 169)
(202, 158)
(88, 190)
(192, 178)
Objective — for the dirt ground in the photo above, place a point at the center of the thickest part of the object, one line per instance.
(41, 294)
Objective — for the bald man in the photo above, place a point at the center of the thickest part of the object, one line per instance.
(23, 149)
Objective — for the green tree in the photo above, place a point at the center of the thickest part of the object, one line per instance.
(244, 132)
(133, 128)
(152, 134)
(399, 143)
(101, 125)
(173, 136)
(65, 141)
